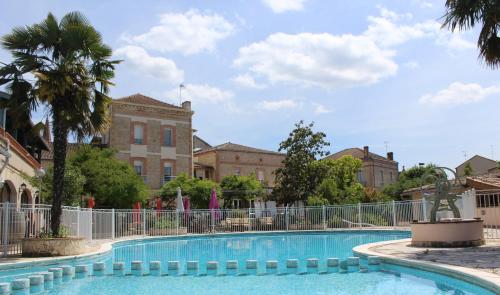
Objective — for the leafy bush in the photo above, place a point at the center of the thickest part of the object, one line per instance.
(199, 191)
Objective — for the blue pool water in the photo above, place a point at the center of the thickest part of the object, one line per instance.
(389, 279)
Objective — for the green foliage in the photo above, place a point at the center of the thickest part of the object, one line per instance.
(63, 233)
(74, 182)
(198, 190)
(339, 184)
(112, 182)
(411, 178)
(315, 200)
(468, 171)
(240, 187)
(294, 181)
(64, 67)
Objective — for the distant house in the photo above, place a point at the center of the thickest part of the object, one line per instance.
(235, 159)
(479, 164)
(199, 144)
(155, 137)
(377, 171)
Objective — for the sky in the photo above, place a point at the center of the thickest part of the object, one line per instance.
(377, 73)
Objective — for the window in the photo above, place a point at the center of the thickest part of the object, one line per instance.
(236, 203)
(138, 167)
(381, 177)
(167, 172)
(167, 137)
(138, 134)
(260, 175)
(237, 171)
(390, 175)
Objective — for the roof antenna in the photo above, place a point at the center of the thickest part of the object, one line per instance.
(180, 93)
(465, 155)
(386, 144)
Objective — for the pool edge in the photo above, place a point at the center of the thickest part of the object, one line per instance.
(480, 278)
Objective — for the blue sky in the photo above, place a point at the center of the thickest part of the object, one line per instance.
(366, 72)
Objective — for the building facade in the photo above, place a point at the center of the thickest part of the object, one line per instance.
(377, 171)
(479, 164)
(153, 136)
(234, 159)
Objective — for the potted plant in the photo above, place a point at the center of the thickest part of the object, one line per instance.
(46, 244)
(446, 232)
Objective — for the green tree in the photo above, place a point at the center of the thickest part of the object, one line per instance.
(468, 171)
(466, 14)
(244, 188)
(294, 181)
(64, 66)
(112, 182)
(409, 179)
(340, 183)
(198, 190)
(74, 182)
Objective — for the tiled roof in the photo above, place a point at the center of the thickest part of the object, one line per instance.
(492, 180)
(145, 100)
(49, 154)
(233, 147)
(356, 153)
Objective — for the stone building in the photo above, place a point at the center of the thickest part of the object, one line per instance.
(235, 159)
(20, 154)
(479, 164)
(153, 136)
(377, 171)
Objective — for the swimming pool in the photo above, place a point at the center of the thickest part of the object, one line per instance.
(386, 279)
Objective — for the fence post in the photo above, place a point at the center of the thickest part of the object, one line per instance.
(286, 218)
(143, 222)
(360, 220)
(249, 221)
(113, 223)
(212, 220)
(5, 228)
(177, 221)
(424, 208)
(394, 213)
(323, 214)
(78, 221)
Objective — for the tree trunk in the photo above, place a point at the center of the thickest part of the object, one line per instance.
(59, 151)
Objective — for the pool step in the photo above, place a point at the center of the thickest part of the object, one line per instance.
(232, 267)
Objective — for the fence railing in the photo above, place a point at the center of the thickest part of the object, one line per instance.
(19, 222)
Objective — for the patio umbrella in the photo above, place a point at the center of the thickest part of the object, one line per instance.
(187, 204)
(179, 202)
(214, 205)
(159, 205)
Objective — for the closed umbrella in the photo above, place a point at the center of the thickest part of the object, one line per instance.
(179, 202)
(214, 205)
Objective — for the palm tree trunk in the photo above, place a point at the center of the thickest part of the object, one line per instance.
(59, 150)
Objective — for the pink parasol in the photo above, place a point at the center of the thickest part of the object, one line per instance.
(214, 205)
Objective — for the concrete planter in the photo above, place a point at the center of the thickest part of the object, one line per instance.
(42, 247)
(462, 233)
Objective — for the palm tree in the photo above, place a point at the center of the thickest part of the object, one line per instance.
(465, 14)
(65, 66)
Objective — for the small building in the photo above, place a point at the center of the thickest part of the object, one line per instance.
(479, 164)
(155, 137)
(20, 154)
(377, 171)
(235, 159)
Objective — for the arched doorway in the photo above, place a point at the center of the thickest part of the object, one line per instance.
(9, 192)
(26, 197)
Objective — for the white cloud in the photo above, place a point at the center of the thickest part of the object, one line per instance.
(459, 93)
(246, 80)
(201, 93)
(387, 30)
(158, 67)
(280, 6)
(189, 33)
(324, 60)
(276, 105)
(320, 109)
(424, 4)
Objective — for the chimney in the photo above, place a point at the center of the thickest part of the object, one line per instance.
(186, 105)
(366, 151)
(390, 156)
(46, 131)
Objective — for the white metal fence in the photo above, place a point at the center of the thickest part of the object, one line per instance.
(18, 222)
